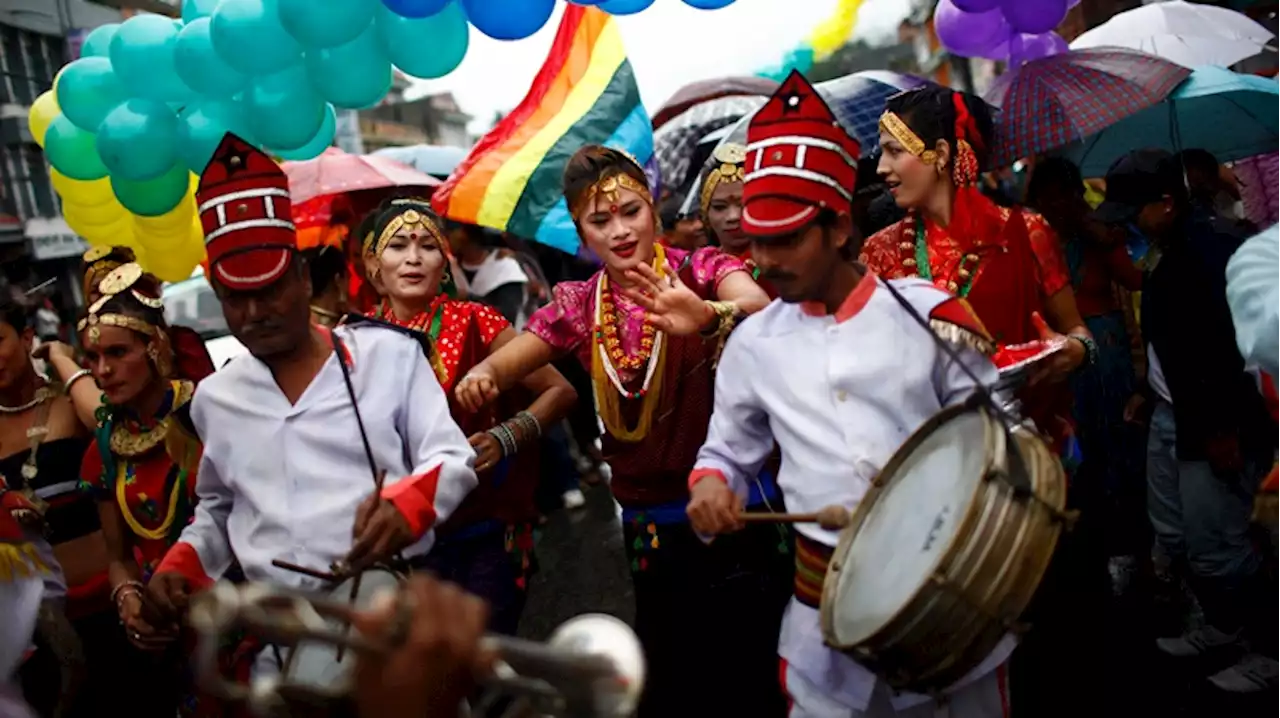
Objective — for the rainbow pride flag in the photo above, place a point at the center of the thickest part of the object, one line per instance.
(585, 93)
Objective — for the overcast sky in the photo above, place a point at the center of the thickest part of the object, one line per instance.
(670, 44)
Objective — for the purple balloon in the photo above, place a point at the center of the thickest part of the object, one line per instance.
(968, 34)
(979, 5)
(1024, 48)
(1034, 16)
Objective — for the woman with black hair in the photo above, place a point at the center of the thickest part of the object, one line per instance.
(328, 269)
(1007, 263)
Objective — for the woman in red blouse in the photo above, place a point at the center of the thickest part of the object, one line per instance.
(486, 545)
(1006, 262)
(141, 466)
(1009, 265)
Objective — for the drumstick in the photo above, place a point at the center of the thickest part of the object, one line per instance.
(313, 573)
(355, 585)
(831, 518)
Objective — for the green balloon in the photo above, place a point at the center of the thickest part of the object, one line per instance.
(153, 197)
(73, 151)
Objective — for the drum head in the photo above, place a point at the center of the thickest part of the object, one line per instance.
(315, 664)
(908, 526)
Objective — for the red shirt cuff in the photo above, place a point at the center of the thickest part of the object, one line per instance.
(182, 558)
(415, 497)
(699, 474)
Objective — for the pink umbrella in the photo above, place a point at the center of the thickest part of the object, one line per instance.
(337, 172)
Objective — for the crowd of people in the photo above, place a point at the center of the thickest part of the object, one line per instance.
(766, 350)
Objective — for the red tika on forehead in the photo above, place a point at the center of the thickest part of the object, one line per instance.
(799, 161)
(246, 214)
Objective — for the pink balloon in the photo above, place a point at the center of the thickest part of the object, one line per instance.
(1034, 16)
(968, 34)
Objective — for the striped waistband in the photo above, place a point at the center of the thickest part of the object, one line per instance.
(811, 568)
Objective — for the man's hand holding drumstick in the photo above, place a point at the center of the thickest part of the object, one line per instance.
(715, 509)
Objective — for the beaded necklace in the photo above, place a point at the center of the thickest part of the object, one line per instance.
(179, 394)
(925, 271)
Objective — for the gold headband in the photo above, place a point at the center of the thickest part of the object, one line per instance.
(410, 219)
(893, 125)
(730, 158)
(610, 188)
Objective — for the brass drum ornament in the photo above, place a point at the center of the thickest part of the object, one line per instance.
(945, 550)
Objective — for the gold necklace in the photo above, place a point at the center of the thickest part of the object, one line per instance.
(125, 443)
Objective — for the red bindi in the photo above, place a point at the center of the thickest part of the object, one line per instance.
(413, 235)
(613, 209)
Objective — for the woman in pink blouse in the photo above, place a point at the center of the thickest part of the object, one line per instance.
(653, 378)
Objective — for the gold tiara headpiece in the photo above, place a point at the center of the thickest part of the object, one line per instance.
(729, 160)
(610, 189)
(413, 221)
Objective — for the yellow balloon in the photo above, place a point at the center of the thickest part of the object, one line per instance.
(43, 111)
(172, 261)
(95, 216)
(118, 233)
(89, 193)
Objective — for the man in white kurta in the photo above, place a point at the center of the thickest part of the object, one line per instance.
(839, 373)
(285, 472)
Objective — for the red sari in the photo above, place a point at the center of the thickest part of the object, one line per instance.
(1006, 270)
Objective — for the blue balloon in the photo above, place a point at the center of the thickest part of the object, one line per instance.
(193, 10)
(72, 151)
(201, 127)
(139, 140)
(708, 4)
(340, 22)
(402, 39)
(415, 8)
(142, 55)
(624, 7)
(283, 109)
(201, 67)
(88, 90)
(98, 43)
(318, 144)
(248, 36)
(509, 19)
(586, 3)
(355, 75)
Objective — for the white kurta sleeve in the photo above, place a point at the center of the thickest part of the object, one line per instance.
(203, 552)
(437, 449)
(738, 437)
(1253, 292)
(954, 385)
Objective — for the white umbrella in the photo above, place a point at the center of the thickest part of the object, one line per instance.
(1189, 34)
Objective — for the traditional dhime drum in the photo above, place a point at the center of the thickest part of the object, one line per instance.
(945, 550)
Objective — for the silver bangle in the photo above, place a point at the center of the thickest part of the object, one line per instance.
(75, 377)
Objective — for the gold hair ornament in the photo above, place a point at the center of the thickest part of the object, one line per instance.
(893, 126)
(610, 189)
(410, 219)
(730, 158)
(118, 281)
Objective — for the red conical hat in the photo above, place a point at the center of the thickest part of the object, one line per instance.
(246, 213)
(799, 161)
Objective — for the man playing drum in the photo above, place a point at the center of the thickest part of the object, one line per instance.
(839, 373)
(294, 433)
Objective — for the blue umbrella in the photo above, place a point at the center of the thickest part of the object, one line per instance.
(1231, 115)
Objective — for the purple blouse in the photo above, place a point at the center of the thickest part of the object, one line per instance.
(566, 323)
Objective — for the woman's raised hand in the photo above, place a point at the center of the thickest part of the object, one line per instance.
(671, 305)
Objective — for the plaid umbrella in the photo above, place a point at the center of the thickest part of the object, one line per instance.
(674, 143)
(1053, 101)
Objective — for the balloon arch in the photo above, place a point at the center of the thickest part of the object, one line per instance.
(129, 125)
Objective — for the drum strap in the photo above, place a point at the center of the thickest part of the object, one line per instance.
(1019, 478)
(340, 349)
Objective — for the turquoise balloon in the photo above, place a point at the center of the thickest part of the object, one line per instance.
(341, 21)
(248, 36)
(355, 75)
(193, 10)
(318, 144)
(201, 67)
(142, 53)
(426, 47)
(283, 109)
(139, 140)
(88, 90)
(202, 125)
(153, 197)
(72, 151)
(98, 43)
